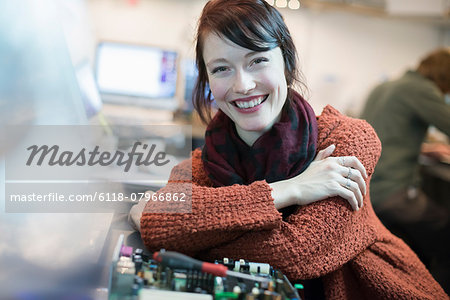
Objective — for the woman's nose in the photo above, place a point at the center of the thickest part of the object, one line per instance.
(243, 82)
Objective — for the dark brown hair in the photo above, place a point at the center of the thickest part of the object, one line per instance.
(252, 24)
(436, 67)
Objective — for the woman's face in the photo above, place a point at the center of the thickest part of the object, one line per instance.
(249, 87)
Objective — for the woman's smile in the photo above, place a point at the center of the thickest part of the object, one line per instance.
(249, 104)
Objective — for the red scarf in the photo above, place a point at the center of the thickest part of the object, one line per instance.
(282, 152)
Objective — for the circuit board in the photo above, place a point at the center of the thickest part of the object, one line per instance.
(136, 276)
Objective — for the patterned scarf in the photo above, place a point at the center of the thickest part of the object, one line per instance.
(282, 152)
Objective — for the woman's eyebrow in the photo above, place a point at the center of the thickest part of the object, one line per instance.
(251, 53)
(217, 60)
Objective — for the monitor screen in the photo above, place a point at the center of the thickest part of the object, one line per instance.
(135, 71)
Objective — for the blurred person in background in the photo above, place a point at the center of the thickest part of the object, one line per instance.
(401, 111)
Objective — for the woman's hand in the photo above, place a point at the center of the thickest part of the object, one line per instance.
(134, 217)
(325, 177)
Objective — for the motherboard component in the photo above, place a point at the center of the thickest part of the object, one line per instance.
(171, 275)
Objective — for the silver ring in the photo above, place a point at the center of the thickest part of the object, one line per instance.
(349, 173)
(347, 185)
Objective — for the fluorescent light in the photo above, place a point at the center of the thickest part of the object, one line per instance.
(294, 4)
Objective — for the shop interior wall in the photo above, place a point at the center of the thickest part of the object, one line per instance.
(342, 54)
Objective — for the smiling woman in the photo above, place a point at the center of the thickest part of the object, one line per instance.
(274, 183)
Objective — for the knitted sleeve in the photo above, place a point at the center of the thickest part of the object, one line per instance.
(322, 236)
(219, 215)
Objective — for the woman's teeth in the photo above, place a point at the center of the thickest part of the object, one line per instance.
(249, 104)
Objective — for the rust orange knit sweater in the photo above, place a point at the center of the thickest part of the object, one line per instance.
(353, 253)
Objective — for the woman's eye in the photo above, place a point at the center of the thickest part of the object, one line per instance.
(218, 69)
(259, 60)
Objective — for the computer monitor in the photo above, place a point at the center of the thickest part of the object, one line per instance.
(137, 75)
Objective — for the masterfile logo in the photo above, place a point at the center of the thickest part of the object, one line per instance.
(94, 157)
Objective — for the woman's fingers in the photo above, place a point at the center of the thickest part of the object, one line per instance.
(353, 174)
(353, 181)
(356, 176)
(322, 154)
(353, 162)
(349, 196)
(352, 186)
